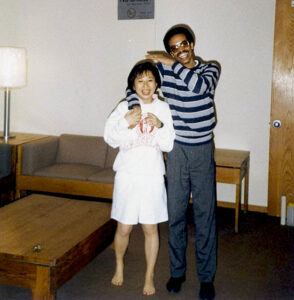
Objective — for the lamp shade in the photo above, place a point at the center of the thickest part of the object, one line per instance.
(13, 67)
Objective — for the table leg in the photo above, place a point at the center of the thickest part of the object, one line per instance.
(237, 206)
(42, 289)
(246, 187)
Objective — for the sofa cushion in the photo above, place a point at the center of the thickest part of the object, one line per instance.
(105, 176)
(39, 154)
(70, 171)
(81, 149)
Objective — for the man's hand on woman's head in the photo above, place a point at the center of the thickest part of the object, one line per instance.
(160, 56)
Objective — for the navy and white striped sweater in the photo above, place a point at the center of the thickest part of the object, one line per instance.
(190, 95)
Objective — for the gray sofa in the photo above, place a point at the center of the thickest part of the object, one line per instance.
(67, 164)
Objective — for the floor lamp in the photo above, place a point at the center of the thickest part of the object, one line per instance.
(13, 74)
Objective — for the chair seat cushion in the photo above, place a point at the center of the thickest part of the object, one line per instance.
(70, 171)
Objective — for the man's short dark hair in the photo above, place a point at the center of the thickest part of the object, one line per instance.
(140, 68)
(178, 29)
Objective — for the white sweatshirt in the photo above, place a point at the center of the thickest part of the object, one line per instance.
(140, 148)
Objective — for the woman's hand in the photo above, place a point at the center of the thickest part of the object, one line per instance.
(152, 120)
(133, 116)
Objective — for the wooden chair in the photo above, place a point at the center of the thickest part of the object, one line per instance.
(232, 166)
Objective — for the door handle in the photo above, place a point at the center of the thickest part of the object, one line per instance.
(277, 123)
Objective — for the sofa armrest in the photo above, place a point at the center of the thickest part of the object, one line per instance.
(39, 154)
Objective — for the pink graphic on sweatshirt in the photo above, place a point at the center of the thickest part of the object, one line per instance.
(144, 126)
(144, 134)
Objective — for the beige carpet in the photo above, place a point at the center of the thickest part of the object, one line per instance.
(257, 263)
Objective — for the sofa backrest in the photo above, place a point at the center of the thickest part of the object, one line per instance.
(82, 149)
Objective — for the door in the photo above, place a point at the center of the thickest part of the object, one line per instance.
(281, 156)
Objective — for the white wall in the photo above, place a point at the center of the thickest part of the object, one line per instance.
(80, 56)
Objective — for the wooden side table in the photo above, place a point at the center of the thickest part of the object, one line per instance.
(19, 138)
(231, 167)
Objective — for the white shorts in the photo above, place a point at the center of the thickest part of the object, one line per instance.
(139, 199)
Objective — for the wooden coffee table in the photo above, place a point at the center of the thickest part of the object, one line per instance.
(45, 240)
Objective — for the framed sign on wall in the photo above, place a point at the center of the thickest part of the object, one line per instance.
(135, 9)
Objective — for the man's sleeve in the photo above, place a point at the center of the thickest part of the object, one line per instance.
(132, 99)
(201, 83)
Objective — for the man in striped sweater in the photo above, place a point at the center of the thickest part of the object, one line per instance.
(188, 85)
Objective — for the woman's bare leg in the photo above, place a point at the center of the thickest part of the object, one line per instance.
(121, 242)
(151, 252)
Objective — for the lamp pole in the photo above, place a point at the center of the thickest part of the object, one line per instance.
(6, 135)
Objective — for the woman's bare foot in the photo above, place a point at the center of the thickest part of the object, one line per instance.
(118, 277)
(149, 288)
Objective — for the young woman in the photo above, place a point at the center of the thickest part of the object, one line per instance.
(139, 196)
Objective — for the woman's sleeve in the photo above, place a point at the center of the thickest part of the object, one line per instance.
(165, 135)
(116, 131)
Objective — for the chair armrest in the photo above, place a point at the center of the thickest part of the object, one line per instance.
(38, 154)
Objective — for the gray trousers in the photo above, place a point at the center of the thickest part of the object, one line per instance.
(191, 169)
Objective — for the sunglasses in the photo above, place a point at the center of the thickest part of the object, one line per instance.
(175, 48)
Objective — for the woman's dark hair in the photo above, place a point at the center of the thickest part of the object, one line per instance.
(140, 68)
(178, 29)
